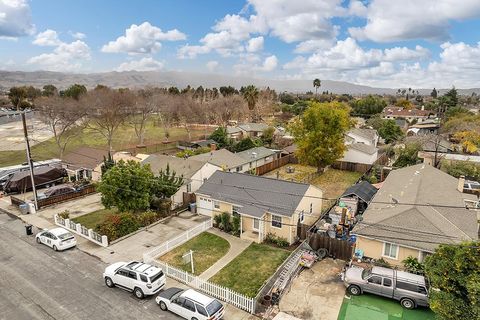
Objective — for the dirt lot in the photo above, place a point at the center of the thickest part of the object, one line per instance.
(317, 293)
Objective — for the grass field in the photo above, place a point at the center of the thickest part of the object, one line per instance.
(207, 249)
(250, 269)
(124, 138)
(92, 219)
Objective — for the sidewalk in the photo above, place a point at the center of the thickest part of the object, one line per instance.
(237, 246)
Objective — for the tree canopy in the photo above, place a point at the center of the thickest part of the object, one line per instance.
(319, 133)
(75, 91)
(368, 105)
(220, 136)
(166, 184)
(407, 156)
(454, 273)
(390, 131)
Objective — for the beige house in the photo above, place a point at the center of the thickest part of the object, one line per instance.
(416, 209)
(265, 205)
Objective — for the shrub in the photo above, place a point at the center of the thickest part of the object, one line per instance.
(217, 220)
(225, 224)
(236, 225)
(412, 264)
(118, 225)
(146, 218)
(281, 242)
(382, 263)
(64, 215)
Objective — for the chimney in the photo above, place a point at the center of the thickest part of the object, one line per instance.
(461, 183)
(213, 146)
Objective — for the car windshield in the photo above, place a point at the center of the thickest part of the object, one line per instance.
(213, 307)
(64, 236)
(155, 277)
(366, 272)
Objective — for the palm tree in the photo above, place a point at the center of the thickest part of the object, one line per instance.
(250, 94)
(316, 84)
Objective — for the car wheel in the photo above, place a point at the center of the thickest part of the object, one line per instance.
(407, 303)
(138, 293)
(109, 283)
(55, 248)
(194, 319)
(38, 240)
(163, 306)
(354, 290)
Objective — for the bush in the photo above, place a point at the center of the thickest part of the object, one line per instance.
(118, 225)
(64, 215)
(281, 242)
(412, 265)
(236, 225)
(382, 263)
(225, 224)
(217, 220)
(146, 218)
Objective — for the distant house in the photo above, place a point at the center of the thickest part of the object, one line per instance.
(408, 114)
(85, 163)
(428, 157)
(238, 162)
(246, 130)
(424, 128)
(194, 173)
(185, 145)
(128, 156)
(265, 205)
(361, 146)
(403, 220)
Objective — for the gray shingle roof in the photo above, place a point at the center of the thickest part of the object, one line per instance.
(253, 126)
(256, 195)
(369, 134)
(364, 190)
(222, 158)
(422, 227)
(255, 153)
(362, 147)
(231, 129)
(186, 167)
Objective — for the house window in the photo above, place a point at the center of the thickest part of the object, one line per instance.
(311, 208)
(189, 187)
(302, 216)
(276, 221)
(235, 210)
(238, 169)
(216, 204)
(390, 250)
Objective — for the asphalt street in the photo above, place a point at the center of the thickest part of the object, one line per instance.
(39, 283)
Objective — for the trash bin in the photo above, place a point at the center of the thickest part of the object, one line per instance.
(193, 207)
(28, 229)
(23, 208)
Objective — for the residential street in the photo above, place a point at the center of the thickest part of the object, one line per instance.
(38, 283)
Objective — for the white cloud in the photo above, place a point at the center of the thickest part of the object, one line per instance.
(65, 57)
(389, 21)
(188, 51)
(313, 45)
(212, 65)
(77, 35)
(143, 38)
(15, 19)
(357, 8)
(255, 44)
(144, 64)
(270, 63)
(48, 37)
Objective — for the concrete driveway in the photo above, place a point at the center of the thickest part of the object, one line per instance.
(317, 293)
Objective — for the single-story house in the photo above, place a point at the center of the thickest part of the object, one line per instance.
(403, 220)
(234, 132)
(193, 145)
(265, 205)
(408, 114)
(360, 153)
(85, 163)
(426, 127)
(194, 173)
(428, 157)
(244, 130)
(258, 156)
(362, 135)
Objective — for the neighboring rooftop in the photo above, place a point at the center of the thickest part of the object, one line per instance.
(182, 167)
(362, 147)
(255, 153)
(369, 134)
(255, 194)
(401, 211)
(222, 158)
(364, 190)
(249, 127)
(85, 157)
(401, 112)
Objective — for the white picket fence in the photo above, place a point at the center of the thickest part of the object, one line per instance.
(220, 292)
(81, 230)
(175, 242)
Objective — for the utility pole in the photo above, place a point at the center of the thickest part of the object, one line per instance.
(29, 160)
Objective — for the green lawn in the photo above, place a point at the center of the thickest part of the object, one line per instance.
(249, 270)
(92, 219)
(207, 249)
(369, 306)
(124, 138)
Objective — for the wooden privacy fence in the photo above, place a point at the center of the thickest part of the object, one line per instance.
(359, 167)
(16, 201)
(341, 249)
(65, 197)
(277, 163)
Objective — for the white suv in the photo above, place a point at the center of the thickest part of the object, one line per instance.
(140, 278)
(190, 304)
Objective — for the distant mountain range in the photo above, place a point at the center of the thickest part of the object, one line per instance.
(137, 79)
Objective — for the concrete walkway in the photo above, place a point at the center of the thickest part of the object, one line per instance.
(237, 246)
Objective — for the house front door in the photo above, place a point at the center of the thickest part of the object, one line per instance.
(256, 224)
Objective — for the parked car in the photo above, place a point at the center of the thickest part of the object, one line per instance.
(140, 278)
(190, 304)
(58, 239)
(408, 288)
(56, 191)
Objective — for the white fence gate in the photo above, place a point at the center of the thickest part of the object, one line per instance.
(220, 292)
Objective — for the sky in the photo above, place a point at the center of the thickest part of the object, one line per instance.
(384, 43)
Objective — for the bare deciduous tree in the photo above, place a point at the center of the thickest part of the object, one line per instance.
(146, 103)
(227, 108)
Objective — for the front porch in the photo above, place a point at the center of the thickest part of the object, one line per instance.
(251, 228)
